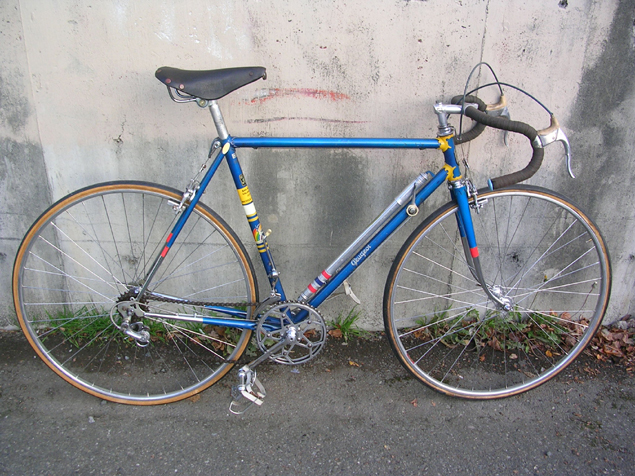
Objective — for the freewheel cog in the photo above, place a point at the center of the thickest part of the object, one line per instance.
(305, 338)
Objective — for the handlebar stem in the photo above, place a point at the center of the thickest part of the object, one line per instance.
(443, 111)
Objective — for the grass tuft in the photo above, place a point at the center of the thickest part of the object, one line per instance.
(346, 327)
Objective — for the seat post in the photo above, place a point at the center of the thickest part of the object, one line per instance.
(219, 122)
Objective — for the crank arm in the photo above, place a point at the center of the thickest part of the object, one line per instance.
(272, 350)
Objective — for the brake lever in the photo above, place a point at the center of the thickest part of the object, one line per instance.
(554, 133)
(500, 109)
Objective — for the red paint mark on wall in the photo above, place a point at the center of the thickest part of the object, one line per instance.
(267, 94)
(314, 119)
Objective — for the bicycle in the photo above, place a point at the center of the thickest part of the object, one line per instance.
(139, 293)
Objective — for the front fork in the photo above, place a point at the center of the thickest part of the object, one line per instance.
(461, 190)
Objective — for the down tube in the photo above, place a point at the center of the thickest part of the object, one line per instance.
(376, 241)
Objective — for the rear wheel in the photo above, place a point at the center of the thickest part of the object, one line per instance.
(89, 252)
(537, 251)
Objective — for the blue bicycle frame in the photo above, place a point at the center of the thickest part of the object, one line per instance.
(401, 209)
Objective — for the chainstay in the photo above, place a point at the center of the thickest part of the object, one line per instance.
(205, 304)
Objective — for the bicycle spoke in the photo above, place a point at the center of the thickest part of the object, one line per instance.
(79, 276)
(539, 254)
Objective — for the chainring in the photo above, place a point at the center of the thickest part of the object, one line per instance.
(309, 334)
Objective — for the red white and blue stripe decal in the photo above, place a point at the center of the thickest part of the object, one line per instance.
(319, 282)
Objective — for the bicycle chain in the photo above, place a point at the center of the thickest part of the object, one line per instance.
(204, 303)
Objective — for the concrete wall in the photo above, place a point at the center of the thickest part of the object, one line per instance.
(80, 104)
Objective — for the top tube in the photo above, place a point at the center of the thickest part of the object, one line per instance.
(334, 142)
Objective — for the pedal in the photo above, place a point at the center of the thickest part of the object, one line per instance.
(248, 392)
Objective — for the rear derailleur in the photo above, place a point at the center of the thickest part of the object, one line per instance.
(121, 316)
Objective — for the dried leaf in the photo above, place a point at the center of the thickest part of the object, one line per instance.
(414, 402)
(495, 344)
(218, 345)
(353, 364)
(610, 350)
(336, 333)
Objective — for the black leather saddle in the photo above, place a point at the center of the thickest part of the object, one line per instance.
(212, 84)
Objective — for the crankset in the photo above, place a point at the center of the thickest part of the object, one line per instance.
(300, 325)
(288, 333)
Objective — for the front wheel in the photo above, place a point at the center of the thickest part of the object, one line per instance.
(88, 253)
(539, 253)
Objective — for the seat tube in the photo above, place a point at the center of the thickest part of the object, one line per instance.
(252, 217)
(229, 152)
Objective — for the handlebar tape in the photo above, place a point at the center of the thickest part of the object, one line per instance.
(505, 124)
(475, 131)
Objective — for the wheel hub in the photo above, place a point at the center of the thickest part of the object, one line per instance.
(505, 302)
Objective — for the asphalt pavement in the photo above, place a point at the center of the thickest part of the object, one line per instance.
(352, 411)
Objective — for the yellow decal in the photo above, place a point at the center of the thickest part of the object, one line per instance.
(226, 148)
(245, 196)
(443, 143)
(450, 170)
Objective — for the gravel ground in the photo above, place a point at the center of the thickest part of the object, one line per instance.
(354, 410)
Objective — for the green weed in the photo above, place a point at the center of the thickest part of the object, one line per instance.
(346, 327)
(503, 331)
(82, 326)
